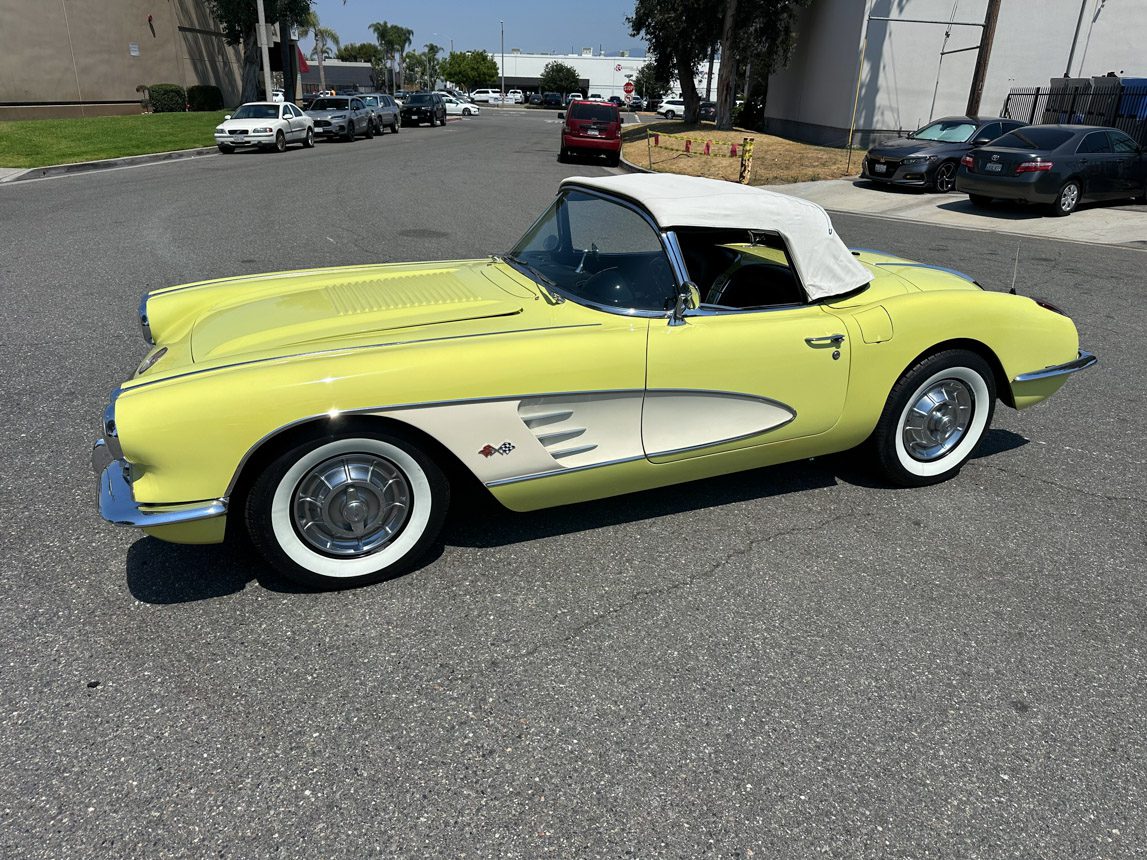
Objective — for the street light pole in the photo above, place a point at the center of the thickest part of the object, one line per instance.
(502, 26)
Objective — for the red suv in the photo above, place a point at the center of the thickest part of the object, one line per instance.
(591, 128)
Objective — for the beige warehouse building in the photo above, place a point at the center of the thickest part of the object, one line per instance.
(86, 57)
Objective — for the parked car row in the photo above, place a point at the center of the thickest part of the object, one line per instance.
(992, 158)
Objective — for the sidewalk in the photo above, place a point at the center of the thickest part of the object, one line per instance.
(1113, 223)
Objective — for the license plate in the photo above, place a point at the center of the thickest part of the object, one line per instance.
(993, 168)
(592, 132)
(880, 168)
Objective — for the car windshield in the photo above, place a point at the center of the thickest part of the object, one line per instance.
(597, 113)
(371, 100)
(597, 251)
(330, 104)
(947, 131)
(256, 112)
(1033, 137)
(419, 99)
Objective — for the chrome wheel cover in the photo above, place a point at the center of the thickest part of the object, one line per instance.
(1069, 197)
(945, 177)
(938, 420)
(351, 505)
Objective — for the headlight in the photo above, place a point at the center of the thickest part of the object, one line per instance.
(918, 159)
(220, 130)
(266, 129)
(339, 116)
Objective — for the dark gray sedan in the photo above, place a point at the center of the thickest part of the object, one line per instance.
(930, 156)
(1060, 165)
(341, 116)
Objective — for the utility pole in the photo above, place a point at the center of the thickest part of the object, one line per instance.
(709, 77)
(982, 57)
(1075, 38)
(502, 25)
(262, 40)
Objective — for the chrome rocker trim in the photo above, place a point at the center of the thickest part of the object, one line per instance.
(1084, 361)
(118, 505)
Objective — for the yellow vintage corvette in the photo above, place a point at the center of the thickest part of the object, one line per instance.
(646, 331)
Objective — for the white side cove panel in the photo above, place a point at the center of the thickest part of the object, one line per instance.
(504, 440)
(677, 421)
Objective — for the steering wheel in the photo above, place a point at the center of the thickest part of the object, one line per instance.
(608, 287)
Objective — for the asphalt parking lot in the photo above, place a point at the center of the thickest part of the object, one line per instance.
(793, 662)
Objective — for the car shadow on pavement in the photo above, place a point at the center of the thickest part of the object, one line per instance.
(910, 190)
(1018, 210)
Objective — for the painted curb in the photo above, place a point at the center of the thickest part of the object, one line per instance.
(110, 163)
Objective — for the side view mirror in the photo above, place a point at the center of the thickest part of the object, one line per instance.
(561, 114)
(688, 299)
(981, 141)
(227, 117)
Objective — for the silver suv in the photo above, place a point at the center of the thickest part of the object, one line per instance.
(341, 116)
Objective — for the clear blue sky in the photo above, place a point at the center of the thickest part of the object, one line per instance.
(533, 26)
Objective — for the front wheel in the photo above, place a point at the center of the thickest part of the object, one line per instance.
(945, 179)
(226, 149)
(670, 114)
(280, 142)
(350, 132)
(934, 418)
(465, 111)
(309, 139)
(350, 510)
(1067, 199)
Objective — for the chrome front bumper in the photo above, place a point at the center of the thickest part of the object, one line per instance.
(1084, 361)
(118, 504)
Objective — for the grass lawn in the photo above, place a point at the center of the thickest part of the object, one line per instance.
(775, 159)
(40, 142)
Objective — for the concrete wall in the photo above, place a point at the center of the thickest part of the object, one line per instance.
(903, 83)
(80, 52)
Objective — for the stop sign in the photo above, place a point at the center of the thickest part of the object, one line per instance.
(628, 88)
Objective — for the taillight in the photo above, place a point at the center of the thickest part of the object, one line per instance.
(1034, 166)
(967, 161)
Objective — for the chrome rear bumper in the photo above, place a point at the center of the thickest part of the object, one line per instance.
(1085, 360)
(118, 504)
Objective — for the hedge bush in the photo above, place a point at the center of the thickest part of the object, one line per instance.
(204, 97)
(168, 98)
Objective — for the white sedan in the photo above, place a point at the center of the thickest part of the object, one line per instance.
(266, 125)
(455, 107)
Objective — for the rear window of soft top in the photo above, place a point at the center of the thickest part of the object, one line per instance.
(597, 113)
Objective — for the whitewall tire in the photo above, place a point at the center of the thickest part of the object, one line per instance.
(935, 416)
(350, 510)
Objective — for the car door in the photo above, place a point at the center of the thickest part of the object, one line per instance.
(741, 378)
(295, 123)
(1098, 165)
(1129, 167)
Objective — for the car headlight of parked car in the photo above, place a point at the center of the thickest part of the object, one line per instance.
(265, 129)
(918, 159)
(339, 116)
(220, 130)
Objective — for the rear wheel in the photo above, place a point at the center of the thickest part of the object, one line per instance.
(934, 418)
(338, 512)
(563, 155)
(1067, 199)
(980, 201)
(613, 159)
(945, 178)
(370, 129)
(395, 125)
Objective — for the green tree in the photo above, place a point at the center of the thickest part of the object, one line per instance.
(414, 67)
(360, 52)
(680, 35)
(237, 19)
(469, 69)
(648, 83)
(557, 77)
(393, 39)
(433, 64)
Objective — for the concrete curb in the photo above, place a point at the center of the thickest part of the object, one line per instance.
(108, 163)
(630, 167)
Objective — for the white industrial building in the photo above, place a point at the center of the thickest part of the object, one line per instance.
(904, 82)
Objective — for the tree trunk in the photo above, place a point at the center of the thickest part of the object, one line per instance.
(726, 88)
(249, 84)
(709, 77)
(689, 93)
(320, 49)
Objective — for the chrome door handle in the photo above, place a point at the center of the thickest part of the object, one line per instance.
(829, 339)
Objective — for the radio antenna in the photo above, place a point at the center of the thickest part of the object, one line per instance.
(1015, 269)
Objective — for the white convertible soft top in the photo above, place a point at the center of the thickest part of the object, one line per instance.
(823, 263)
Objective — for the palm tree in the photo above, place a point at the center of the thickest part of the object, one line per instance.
(324, 36)
(393, 39)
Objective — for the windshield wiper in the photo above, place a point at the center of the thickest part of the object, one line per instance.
(547, 284)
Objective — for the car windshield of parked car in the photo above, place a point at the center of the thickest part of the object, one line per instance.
(1032, 137)
(256, 112)
(946, 131)
(419, 99)
(330, 104)
(597, 113)
(597, 251)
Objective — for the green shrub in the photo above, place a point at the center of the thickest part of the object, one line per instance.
(204, 97)
(168, 98)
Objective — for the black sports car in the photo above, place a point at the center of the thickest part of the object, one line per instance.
(424, 107)
(1058, 164)
(930, 156)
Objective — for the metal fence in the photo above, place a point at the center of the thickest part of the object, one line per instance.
(1124, 108)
